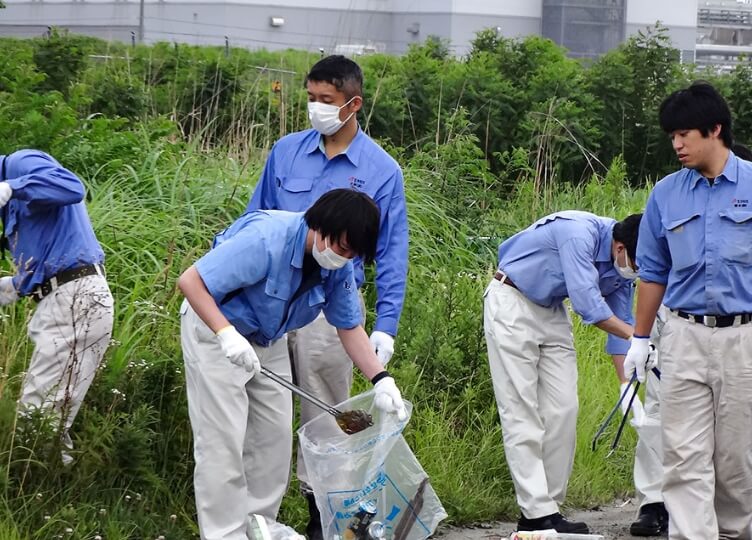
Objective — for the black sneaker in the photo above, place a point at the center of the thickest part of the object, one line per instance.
(313, 529)
(554, 521)
(651, 521)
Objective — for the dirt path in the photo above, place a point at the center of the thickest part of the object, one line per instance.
(611, 521)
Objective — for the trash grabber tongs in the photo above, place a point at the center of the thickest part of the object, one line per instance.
(617, 437)
(657, 373)
(613, 412)
(602, 428)
(350, 422)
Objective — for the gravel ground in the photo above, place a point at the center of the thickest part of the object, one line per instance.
(610, 521)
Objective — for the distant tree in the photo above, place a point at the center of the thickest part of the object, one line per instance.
(627, 86)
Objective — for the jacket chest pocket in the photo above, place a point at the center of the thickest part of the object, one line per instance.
(684, 240)
(295, 184)
(735, 242)
(279, 289)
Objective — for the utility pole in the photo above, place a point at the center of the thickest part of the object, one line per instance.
(141, 21)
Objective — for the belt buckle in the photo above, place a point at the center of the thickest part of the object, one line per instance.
(710, 321)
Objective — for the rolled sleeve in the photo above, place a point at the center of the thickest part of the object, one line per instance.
(342, 309)
(582, 280)
(653, 257)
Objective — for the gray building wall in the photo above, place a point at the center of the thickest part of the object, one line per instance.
(680, 16)
(587, 29)
(113, 21)
(347, 26)
(683, 38)
(465, 26)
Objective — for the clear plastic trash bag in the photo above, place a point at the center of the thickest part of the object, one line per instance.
(368, 485)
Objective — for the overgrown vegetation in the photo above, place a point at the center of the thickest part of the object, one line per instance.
(170, 140)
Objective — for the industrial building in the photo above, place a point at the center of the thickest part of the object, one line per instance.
(717, 31)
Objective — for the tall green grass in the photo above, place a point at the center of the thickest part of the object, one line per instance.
(133, 472)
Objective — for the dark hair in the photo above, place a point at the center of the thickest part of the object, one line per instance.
(626, 232)
(348, 212)
(742, 152)
(343, 73)
(698, 107)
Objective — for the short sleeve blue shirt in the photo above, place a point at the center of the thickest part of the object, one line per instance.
(255, 268)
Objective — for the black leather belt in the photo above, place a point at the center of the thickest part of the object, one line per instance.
(64, 277)
(716, 321)
(502, 276)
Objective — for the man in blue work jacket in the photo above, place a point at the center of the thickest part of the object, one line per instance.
(269, 273)
(58, 264)
(694, 255)
(302, 166)
(590, 260)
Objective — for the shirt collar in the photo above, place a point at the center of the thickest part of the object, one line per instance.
(352, 152)
(730, 171)
(299, 246)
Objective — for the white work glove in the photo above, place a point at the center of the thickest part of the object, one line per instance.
(383, 346)
(387, 397)
(238, 350)
(8, 293)
(640, 358)
(638, 412)
(5, 193)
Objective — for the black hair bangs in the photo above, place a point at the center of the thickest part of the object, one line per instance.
(349, 214)
(698, 107)
(627, 232)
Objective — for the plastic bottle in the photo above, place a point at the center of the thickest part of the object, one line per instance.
(257, 528)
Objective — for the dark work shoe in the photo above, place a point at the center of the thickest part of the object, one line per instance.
(651, 521)
(553, 521)
(313, 529)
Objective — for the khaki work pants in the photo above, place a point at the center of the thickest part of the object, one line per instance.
(242, 431)
(534, 371)
(706, 413)
(71, 330)
(648, 465)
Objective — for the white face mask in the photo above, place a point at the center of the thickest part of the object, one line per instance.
(325, 117)
(327, 259)
(625, 271)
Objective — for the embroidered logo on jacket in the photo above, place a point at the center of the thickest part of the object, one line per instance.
(356, 183)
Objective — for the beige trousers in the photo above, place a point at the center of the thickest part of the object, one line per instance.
(242, 431)
(323, 368)
(706, 409)
(71, 330)
(534, 371)
(648, 465)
